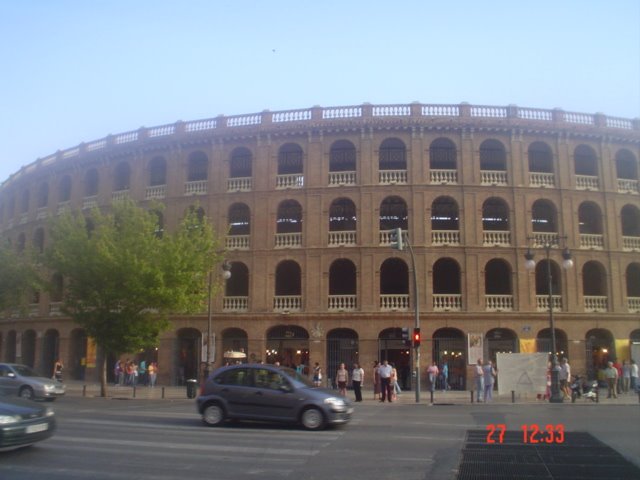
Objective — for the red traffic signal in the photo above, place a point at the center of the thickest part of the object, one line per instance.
(416, 337)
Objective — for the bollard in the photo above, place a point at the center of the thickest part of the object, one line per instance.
(513, 396)
(134, 391)
(163, 393)
(431, 396)
(84, 390)
(598, 394)
(471, 396)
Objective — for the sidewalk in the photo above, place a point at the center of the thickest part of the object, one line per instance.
(451, 397)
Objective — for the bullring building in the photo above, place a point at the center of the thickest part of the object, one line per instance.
(306, 201)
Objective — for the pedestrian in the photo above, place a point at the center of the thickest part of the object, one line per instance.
(385, 379)
(432, 374)
(611, 374)
(357, 380)
(376, 380)
(626, 376)
(445, 376)
(142, 372)
(634, 376)
(57, 370)
(317, 375)
(134, 374)
(564, 375)
(393, 382)
(489, 374)
(618, 367)
(479, 380)
(153, 373)
(342, 377)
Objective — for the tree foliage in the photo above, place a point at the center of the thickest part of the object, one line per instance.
(122, 278)
(17, 277)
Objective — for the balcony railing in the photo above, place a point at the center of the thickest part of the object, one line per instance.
(493, 177)
(155, 192)
(119, 195)
(496, 238)
(630, 243)
(628, 186)
(292, 180)
(235, 304)
(633, 304)
(447, 302)
(540, 239)
(444, 177)
(341, 239)
(198, 187)
(587, 182)
(391, 303)
(288, 240)
(591, 240)
(337, 179)
(498, 303)
(55, 309)
(64, 207)
(342, 303)
(239, 184)
(237, 242)
(540, 179)
(542, 303)
(595, 303)
(392, 177)
(90, 202)
(287, 303)
(445, 237)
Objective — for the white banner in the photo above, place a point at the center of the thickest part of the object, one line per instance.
(523, 373)
(474, 347)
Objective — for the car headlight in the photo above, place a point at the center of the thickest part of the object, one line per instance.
(9, 419)
(49, 412)
(49, 387)
(336, 403)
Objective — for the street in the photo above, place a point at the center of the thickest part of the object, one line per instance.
(165, 439)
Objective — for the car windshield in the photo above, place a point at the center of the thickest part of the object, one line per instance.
(25, 371)
(291, 373)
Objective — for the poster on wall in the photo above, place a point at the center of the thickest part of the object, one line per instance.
(523, 373)
(475, 347)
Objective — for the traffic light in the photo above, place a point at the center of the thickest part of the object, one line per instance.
(397, 241)
(416, 337)
(406, 340)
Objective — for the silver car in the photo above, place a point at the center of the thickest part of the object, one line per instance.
(25, 382)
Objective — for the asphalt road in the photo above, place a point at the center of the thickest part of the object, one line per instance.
(165, 439)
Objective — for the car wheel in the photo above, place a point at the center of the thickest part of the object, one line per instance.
(26, 392)
(312, 419)
(213, 414)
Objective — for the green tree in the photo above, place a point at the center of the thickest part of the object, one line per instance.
(17, 277)
(123, 277)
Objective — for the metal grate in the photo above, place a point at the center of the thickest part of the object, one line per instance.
(580, 456)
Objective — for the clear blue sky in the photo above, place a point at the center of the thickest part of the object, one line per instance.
(74, 71)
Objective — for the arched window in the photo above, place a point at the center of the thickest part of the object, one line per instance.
(290, 159)
(394, 285)
(544, 217)
(442, 155)
(445, 214)
(632, 276)
(493, 156)
(24, 201)
(289, 217)
(342, 215)
(288, 278)
(240, 165)
(43, 195)
(64, 189)
(497, 277)
(238, 283)
(626, 165)
(392, 155)
(198, 166)
(91, 180)
(540, 158)
(447, 293)
(594, 287)
(393, 214)
(157, 172)
(342, 157)
(121, 178)
(630, 220)
(38, 240)
(495, 215)
(239, 219)
(586, 161)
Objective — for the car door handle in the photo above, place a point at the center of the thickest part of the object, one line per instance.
(258, 393)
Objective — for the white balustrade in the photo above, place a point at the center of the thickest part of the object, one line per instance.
(89, 202)
(341, 112)
(55, 309)
(540, 239)
(488, 111)
(498, 303)
(541, 179)
(595, 303)
(337, 179)
(542, 303)
(627, 186)
(445, 237)
(33, 310)
(397, 302)
(392, 177)
(342, 238)
(42, 213)
(493, 177)
(496, 238)
(633, 304)
(630, 243)
(235, 304)
(342, 303)
(443, 177)
(288, 240)
(447, 302)
(162, 130)
(391, 110)
(64, 207)
(197, 187)
(155, 192)
(441, 110)
(200, 125)
(119, 195)
(587, 182)
(386, 236)
(237, 242)
(293, 180)
(287, 303)
(590, 240)
(239, 184)
(23, 218)
(291, 116)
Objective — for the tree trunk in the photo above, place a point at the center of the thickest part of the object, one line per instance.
(103, 374)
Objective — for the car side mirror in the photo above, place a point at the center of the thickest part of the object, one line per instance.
(11, 375)
(285, 388)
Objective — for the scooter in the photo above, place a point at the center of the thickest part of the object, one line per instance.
(583, 389)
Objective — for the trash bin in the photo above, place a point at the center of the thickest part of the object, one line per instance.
(192, 388)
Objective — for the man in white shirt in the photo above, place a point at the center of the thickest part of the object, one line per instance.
(564, 375)
(385, 385)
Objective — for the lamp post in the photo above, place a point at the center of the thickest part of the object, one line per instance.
(226, 275)
(567, 263)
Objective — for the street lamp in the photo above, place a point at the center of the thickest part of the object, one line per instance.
(226, 275)
(567, 263)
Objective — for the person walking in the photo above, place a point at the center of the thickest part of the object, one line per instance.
(564, 375)
(57, 370)
(385, 379)
(634, 376)
(479, 380)
(445, 376)
(153, 374)
(376, 380)
(489, 374)
(357, 380)
(342, 377)
(393, 382)
(317, 375)
(626, 376)
(611, 374)
(432, 374)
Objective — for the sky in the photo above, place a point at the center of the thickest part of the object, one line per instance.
(77, 71)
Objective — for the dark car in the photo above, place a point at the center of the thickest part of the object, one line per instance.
(21, 380)
(269, 393)
(23, 423)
